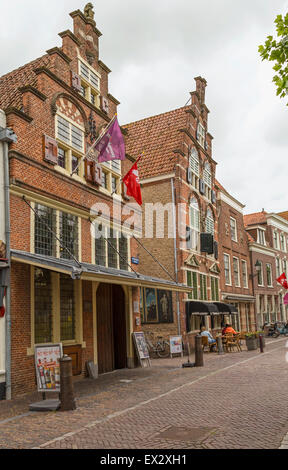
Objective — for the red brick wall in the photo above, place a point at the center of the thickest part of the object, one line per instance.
(22, 366)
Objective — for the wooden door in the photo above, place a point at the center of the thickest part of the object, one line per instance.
(119, 322)
(105, 333)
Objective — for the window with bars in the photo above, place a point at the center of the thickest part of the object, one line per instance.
(123, 252)
(68, 225)
(89, 76)
(45, 222)
(112, 253)
(70, 134)
(192, 282)
(42, 306)
(67, 308)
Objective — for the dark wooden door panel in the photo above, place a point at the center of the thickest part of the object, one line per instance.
(105, 338)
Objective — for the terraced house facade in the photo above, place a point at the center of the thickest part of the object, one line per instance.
(178, 171)
(68, 286)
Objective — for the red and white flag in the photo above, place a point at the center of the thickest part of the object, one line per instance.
(131, 180)
(283, 280)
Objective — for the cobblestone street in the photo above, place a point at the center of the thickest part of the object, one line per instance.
(236, 401)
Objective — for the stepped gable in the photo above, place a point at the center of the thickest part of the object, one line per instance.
(158, 137)
(10, 96)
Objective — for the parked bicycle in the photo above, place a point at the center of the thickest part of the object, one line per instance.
(282, 330)
(160, 346)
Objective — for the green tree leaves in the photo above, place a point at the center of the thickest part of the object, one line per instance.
(277, 51)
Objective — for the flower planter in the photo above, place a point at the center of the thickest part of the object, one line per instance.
(251, 343)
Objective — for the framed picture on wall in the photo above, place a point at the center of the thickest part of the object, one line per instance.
(151, 305)
(165, 312)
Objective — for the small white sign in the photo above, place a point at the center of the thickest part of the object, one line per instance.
(176, 345)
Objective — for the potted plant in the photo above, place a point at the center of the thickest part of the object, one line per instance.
(251, 341)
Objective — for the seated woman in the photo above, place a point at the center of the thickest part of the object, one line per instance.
(205, 332)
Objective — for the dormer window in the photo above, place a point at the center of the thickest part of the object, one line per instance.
(261, 237)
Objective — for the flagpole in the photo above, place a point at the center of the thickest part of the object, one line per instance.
(121, 179)
(94, 144)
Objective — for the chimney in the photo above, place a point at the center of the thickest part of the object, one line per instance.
(200, 88)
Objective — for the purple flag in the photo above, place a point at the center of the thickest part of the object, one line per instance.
(286, 299)
(111, 146)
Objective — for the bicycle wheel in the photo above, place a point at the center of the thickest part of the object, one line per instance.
(163, 349)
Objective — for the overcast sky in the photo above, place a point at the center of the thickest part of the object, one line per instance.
(156, 48)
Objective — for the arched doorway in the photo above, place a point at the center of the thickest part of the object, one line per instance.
(111, 328)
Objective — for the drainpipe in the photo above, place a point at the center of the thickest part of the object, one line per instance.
(175, 254)
(7, 136)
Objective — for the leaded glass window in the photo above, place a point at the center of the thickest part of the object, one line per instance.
(68, 235)
(112, 253)
(42, 306)
(123, 252)
(67, 308)
(45, 224)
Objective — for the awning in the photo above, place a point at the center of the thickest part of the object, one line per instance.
(91, 272)
(227, 309)
(201, 308)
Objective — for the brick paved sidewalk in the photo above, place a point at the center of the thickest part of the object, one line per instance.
(166, 398)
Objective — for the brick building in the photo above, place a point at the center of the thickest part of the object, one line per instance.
(234, 257)
(268, 245)
(66, 285)
(2, 257)
(178, 171)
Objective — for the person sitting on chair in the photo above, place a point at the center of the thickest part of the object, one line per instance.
(229, 329)
(205, 332)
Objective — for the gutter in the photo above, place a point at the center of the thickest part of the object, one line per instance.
(175, 255)
(7, 136)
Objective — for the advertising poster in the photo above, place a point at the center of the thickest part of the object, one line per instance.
(176, 345)
(47, 365)
(141, 345)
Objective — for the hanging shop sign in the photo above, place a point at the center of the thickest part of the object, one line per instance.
(47, 364)
(176, 345)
